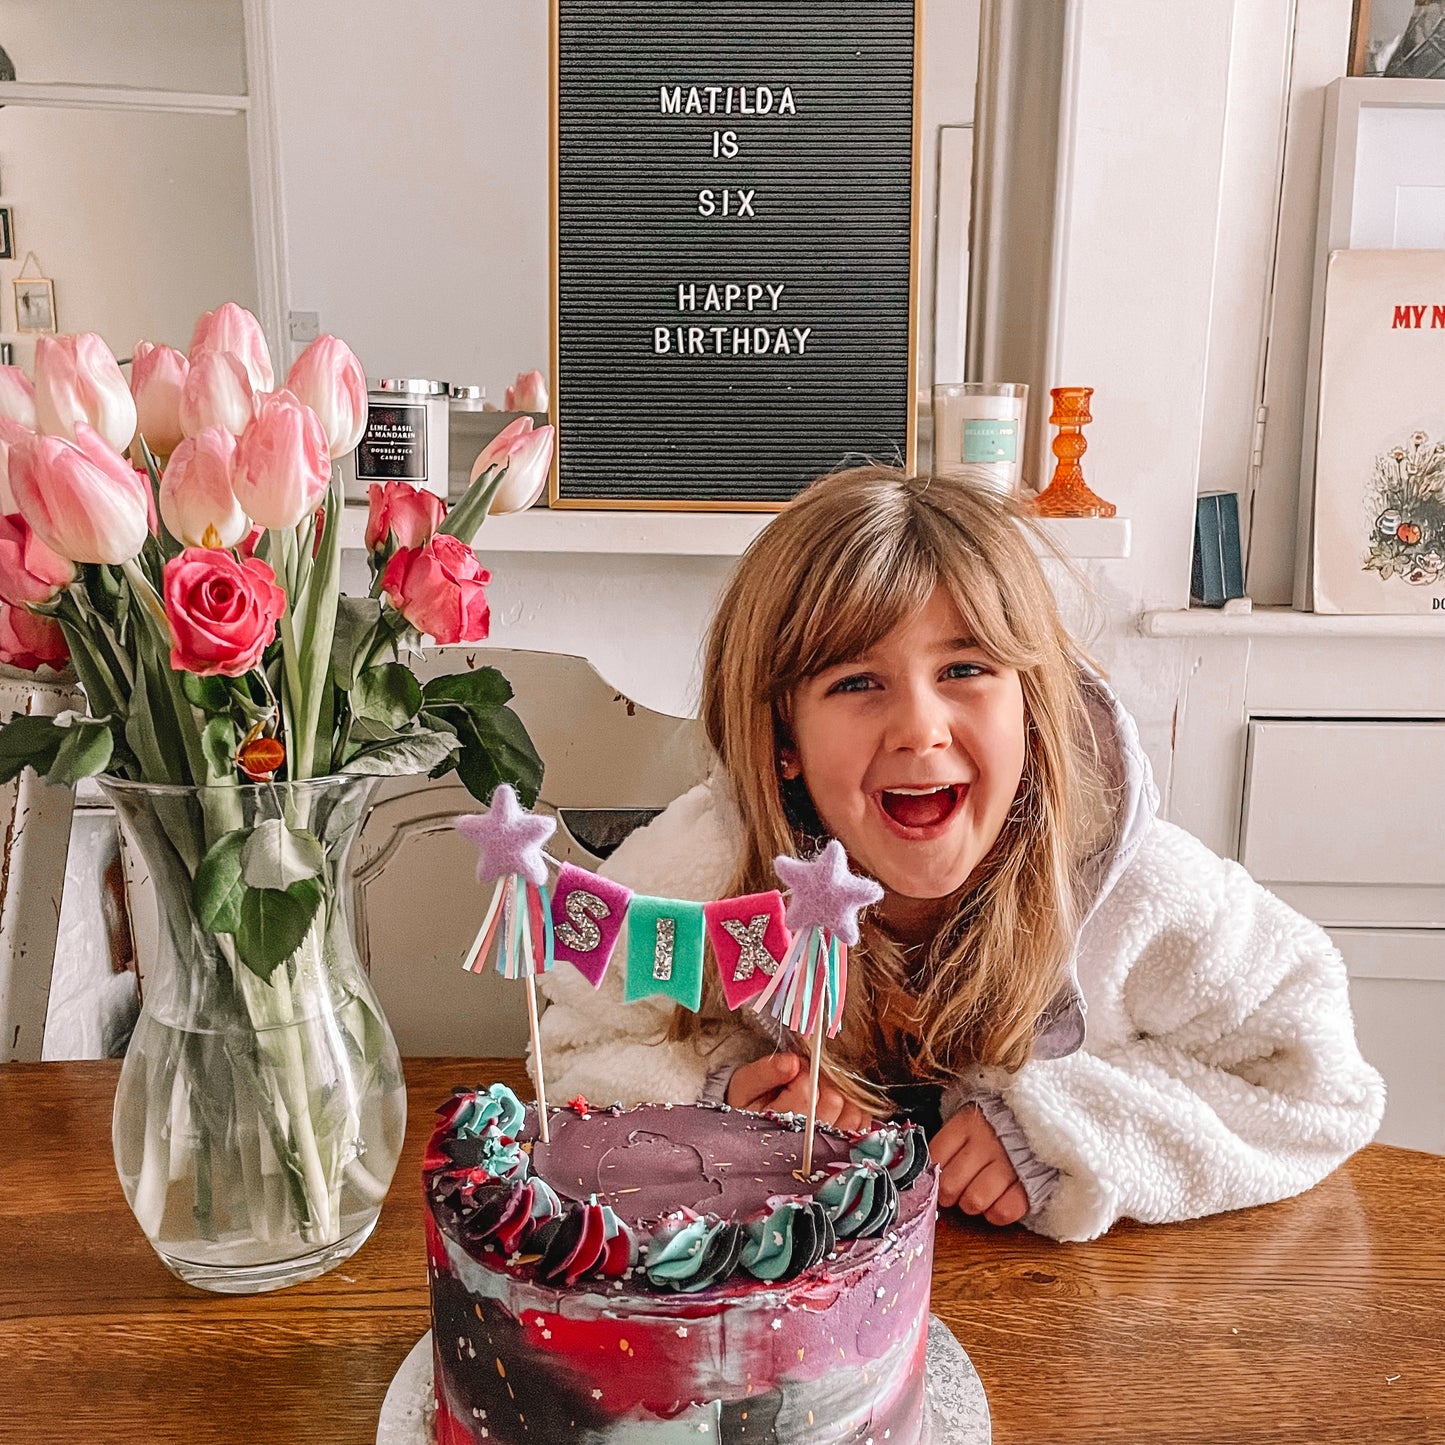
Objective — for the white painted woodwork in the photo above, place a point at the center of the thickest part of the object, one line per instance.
(1286, 622)
(1397, 991)
(693, 534)
(34, 837)
(1343, 820)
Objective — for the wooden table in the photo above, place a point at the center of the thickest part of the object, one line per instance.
(1318, 1319)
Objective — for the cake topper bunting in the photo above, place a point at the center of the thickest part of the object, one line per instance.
(517, 924)
(808, 991)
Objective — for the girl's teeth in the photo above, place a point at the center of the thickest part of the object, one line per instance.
(918, 792)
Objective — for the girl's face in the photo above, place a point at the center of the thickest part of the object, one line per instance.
(912, 755)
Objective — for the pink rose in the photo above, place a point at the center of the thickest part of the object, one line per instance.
(29, 640)
(329, 379)
(29, 571)
(232, 329)
(283, 462)
(440, 589)
(401, 511)
(223, 612)
(157, 375)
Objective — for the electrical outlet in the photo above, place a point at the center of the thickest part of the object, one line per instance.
(304, 325)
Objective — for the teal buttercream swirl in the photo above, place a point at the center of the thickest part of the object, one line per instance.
(496, 1108)
(502, 1158)
(690, 1254)
(546, 1204)
(861, 1200)
(902, 1152)
(793, 1236)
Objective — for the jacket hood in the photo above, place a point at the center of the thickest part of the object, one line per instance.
(1130, 782)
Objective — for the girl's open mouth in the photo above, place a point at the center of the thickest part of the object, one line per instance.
(921, 807)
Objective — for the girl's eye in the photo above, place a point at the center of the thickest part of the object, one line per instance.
(858, 682)
(961, 670)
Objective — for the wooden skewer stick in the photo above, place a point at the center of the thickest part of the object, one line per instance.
(813, 1087)
(537, 1058)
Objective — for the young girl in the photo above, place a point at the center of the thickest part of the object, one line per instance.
(887, 667)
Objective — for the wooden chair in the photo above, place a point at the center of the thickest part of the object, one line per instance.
(610, 766)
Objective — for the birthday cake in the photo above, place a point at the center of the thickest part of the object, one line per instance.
(664, 1272)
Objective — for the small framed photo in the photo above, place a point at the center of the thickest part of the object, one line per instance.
(7, 235)
(1398, 38)
(35, 304)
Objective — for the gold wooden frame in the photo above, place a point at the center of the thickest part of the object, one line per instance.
(49, 286)
(554, 498)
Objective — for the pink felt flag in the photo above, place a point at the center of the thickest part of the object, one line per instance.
(749, 939)
(587, 915)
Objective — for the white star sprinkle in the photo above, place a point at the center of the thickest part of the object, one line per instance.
(777, 1324)
(682, 1332)
(597, 1394)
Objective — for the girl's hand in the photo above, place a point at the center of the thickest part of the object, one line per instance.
(780, 1083)
(974, 1169)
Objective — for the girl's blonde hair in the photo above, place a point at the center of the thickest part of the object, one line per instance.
(854, 555)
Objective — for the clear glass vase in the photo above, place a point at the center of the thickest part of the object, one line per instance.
(261, 1107)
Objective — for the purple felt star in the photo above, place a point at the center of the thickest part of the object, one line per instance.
(825, 893)
(509, 837)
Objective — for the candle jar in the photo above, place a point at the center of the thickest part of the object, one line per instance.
(406, 438)
(978, 432)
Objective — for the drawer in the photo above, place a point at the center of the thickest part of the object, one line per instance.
(1346, 820)
(1397, 991)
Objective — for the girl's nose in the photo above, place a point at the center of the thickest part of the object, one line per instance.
(918, 721)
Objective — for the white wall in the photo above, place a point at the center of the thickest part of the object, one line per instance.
(414, 156)
(190, 45)
(142, 220)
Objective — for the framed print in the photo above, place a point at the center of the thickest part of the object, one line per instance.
(1382, 187)
(1402, 39)
(7, 234)
(35, 304)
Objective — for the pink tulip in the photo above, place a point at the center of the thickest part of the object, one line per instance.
(527, 393)
(217, 392)
(527, 455)
(29, 571)
(232, 329)
(283, 462)
(329, 379)
(157, 376)
(84, 501)
(77, 380)
(401, 515)
(29, 641)
(197, 503)
(17, 396)
(11, 433)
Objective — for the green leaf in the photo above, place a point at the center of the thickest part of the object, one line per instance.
(276, 856)
(28, 740)
(84, 751)
(387, 694)
(219, 886)
(496, 749)
(274, 923)
(219, 742)
(210, 694)
(356, 619)
(412, 752)
(481, 687)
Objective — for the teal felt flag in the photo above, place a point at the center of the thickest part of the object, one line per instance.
(664, 950)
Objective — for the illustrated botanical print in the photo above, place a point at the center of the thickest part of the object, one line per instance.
(1407, 498)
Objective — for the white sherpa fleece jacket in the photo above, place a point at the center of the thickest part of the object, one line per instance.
(1219, 1068)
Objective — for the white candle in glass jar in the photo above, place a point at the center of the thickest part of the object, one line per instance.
(978, 432)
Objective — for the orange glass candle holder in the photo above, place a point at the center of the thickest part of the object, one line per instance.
(1068, 495)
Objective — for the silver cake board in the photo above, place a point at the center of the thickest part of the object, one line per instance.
(958, 1407)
